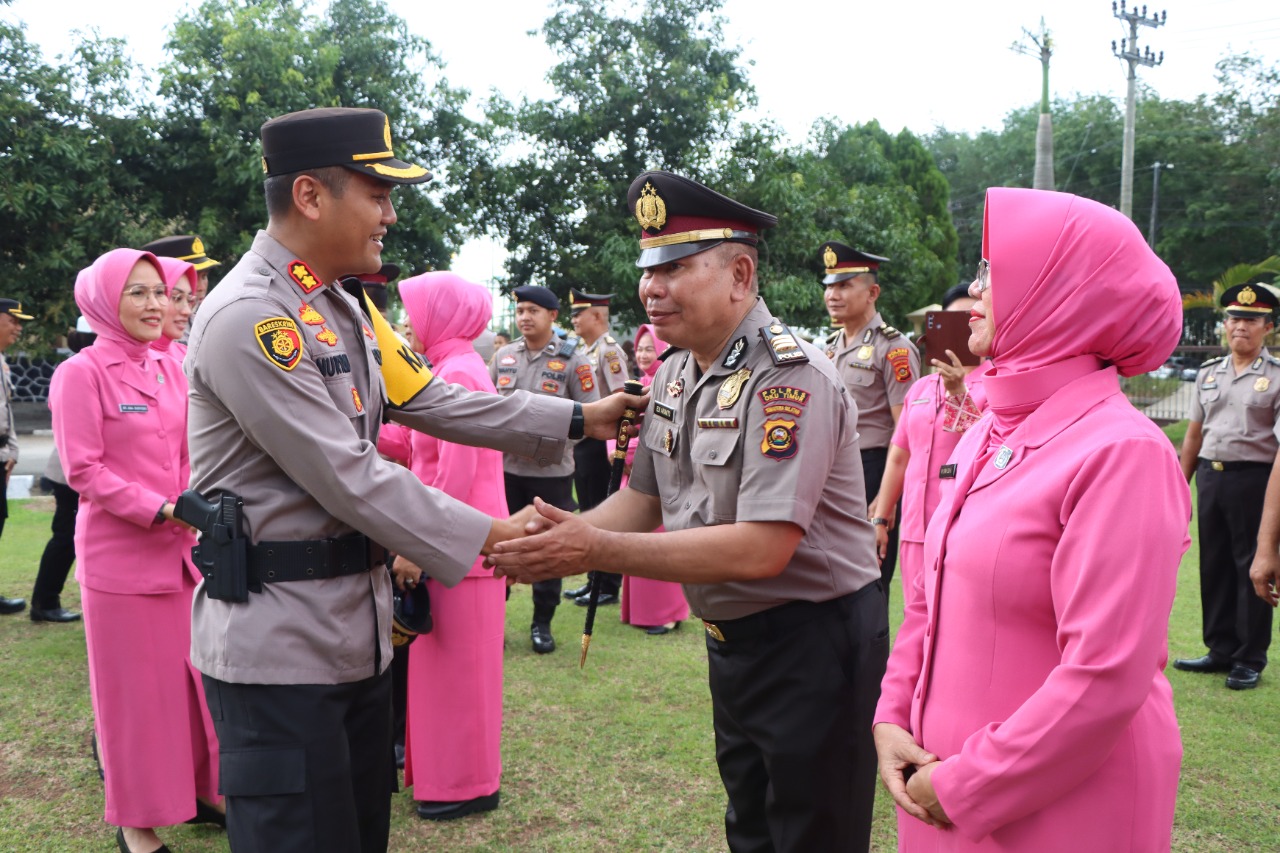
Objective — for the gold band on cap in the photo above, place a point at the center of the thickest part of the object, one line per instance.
(1252, 309)
(694, 237)
(377, 155)
(834, 270)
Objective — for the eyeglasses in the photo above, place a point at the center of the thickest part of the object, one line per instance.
(182, 299)
(138, 295)
(983, 276)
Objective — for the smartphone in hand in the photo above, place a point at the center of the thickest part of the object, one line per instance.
(947, 330)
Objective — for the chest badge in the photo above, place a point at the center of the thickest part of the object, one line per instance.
(309, 315)
(675, 389)
(327, 336)
(669, 441)
(1262, 383)
(865, 352)
(731, 388)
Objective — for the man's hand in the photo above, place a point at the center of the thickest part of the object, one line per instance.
(897, 751)
(407, 575)
(561, 550)
(1265, 574)
(601, 418)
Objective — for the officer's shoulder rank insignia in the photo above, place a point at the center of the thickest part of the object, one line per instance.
(901, 361)
(309, 315)
(280, 340)
(782, 345)
(302, 274)
(889, 332)
(610, 339)
(731, 388)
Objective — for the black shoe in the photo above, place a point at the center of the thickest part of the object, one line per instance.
(1208, 663)
(206, 813)
(449, 810)
(124, 847)
(1243, 678)
(12, 605)
(605, 598)
(56, 614)
(543, 642)
(571, 594)
(399, 747)
(659, 630)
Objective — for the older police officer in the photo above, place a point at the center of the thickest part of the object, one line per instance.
(288, 378)
(749, 456)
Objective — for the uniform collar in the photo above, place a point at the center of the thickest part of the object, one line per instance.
(748, 329)
(288, 265)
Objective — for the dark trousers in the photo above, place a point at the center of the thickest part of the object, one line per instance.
(793, 704)
(60, 552)
(591, 469)
(305, 767)
(1237, 623)
(557, 491)
(873, 462)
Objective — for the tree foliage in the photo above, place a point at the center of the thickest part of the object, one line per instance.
(236, 63)
(67, 194)
(653, 88)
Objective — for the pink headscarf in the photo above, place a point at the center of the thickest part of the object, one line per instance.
(1072, 277)
(659, 345)
(446, 311)
(99, 287)
(171, 270)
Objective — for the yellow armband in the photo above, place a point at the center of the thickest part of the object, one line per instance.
(404, 372)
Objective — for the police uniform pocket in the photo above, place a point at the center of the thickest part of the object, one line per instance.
(711, 453)
(263, 772)
(713, 446)
(862, 376)
(341, 387)
(660, 438)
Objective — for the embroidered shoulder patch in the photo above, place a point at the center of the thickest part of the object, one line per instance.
(302, 274)
(280, 341)
(584, 377)
(901, 362)
(779, 438)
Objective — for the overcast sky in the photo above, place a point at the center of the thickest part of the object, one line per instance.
(918, 64)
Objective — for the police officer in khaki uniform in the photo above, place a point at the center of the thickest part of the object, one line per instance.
(290, 378)
(590, 456)
(1231, 443)
(189, 248)
(11, 317)
(543, 363)
(748, 456)
(877, 363)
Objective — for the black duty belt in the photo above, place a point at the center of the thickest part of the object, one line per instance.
(784, 617)
(1218, 465)
(315, 559)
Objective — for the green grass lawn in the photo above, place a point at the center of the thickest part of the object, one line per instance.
(618, 756)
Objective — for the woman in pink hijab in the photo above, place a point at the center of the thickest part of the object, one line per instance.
(454, 709)
(181, 279)
(656, 606)
(1025, 705)
(120, 426)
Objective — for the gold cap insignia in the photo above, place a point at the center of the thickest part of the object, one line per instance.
(197, 246)
(829, 257)
(1247, 296)
(651, 210)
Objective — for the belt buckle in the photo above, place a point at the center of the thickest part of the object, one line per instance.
(1216, 465)
(713, 630)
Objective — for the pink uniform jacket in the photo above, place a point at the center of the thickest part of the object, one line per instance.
(1031, 662)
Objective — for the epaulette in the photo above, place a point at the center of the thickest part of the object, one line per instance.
(1271, 357)
(782, 345)
(668, 352)
(889, 331)
(610, 339)
(1213, 361)
(568, 348)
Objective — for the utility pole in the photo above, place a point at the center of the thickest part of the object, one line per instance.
(1042, 178)
(1129, 52)
(1155, 199)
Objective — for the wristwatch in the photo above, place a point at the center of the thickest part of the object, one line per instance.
(880, 522)
(577, 422)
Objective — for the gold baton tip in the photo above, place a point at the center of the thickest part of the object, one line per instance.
(586, 644)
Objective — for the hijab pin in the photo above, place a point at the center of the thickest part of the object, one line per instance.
(1003, 457)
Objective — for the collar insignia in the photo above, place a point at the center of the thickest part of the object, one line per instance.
(303, 275)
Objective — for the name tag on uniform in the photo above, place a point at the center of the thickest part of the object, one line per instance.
(133, 408)
(664, 411)
(919, 401)
(947, 472)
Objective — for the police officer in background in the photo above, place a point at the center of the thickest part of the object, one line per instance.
(747, 456)
(1231, 443)
(290, 378)
(877, 363)
(591, 456)
(11, 317)
(543, 363)
(189, 248)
